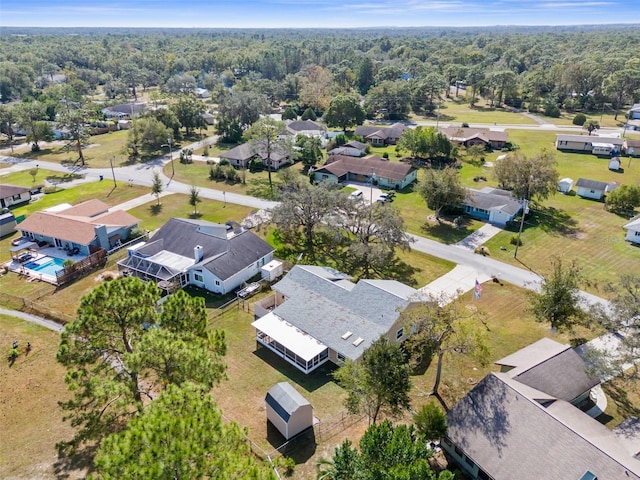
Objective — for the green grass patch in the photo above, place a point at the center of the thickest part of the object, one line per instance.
(459, 111)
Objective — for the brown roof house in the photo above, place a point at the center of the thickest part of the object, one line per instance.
(12, 195)
(241, 155)
(86, 227)
(386, 174)
(381, 136)
(524, 422)
(475, 136)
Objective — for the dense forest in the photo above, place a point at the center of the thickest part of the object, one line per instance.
(393, 72)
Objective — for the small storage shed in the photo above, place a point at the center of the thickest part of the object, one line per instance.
(614, 164)
(633, 231)
(565, 185)
(591, 188)
(7, 224)
(287, 410)
(272, 270)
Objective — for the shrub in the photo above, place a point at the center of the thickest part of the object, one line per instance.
(223, 162)
(289, 114)
(205, 151)
(579, 119)
(465, 125)
(482, 250)
(514, 240)
(552, 110)
(309, 114)
(385, 155)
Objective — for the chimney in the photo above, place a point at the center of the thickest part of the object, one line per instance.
(198, 253)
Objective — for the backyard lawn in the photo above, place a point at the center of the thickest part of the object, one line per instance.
(30, 420)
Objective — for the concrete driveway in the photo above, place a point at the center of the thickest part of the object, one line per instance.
(369, 193)
(458, 281)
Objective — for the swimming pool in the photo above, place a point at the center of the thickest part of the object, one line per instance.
(46, 266)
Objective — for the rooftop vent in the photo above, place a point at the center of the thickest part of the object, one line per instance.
(358, 341)
(346, 335)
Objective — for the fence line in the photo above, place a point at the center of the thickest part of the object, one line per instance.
(28, 305)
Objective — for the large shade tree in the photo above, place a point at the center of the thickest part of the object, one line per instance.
(122, 350)
(442, 327)
(528, 177)
(441, 188)
(182, 434)
(344, 111)
(377, 383)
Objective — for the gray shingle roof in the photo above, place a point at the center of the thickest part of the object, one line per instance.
(285, 400)
(224, 257)
(592, 184)
(326, 305)
(246, 151)
(494, 199)
(510, 435)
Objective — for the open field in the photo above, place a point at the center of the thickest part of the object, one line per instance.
(458, 111)
(30, 420)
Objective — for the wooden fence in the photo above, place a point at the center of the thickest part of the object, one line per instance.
(82, 267)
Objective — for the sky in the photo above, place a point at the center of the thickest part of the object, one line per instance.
(314, 13)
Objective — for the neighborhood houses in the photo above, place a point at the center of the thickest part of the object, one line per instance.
(320, 253)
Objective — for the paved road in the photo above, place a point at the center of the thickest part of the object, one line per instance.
(141, 174)
(51, 325)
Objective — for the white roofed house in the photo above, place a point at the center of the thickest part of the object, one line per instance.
(317, 314)
(633, 231)
(241, 155)
(308, 128)
(216, 257)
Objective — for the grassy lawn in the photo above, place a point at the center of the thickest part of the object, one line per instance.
(100, 150)
(31, 422)
(458, 111)
(197, 173)
(510, 328)
(623, 400)
(568, 226)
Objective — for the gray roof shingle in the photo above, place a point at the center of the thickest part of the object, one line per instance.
(592, 184)
(325, 304)
(502, 428)
(224, 256)
(493, 199)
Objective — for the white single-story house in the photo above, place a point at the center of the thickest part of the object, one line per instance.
(218, 258)
(633, 231)
(82, 228)
(317, 314)
(287, 410)
(208, 118)
(308, 128)
(125, 110)
(12, 195)
(634, 112)
(202, 93)
(381, 136)
(588, 144)
(350, 149)
(375, 170)
(565, 185)
(631, 147)
(525, 422)
(491, 204)
(241, 155)
(593, 189)
(475, 136)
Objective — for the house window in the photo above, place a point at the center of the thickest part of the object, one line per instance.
(340, 357)
(637, 234)
(482, 475)
(399, 334)
(592, 191)
(198, 277)
(469, 462)
(217, 282)
(325, 177)
(16, 197)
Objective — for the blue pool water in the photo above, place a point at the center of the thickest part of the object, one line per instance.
(46, 266)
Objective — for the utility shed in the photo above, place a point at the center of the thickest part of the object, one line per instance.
(287, 410)
(7, 224)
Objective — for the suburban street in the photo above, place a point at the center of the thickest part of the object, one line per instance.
(141, 174)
